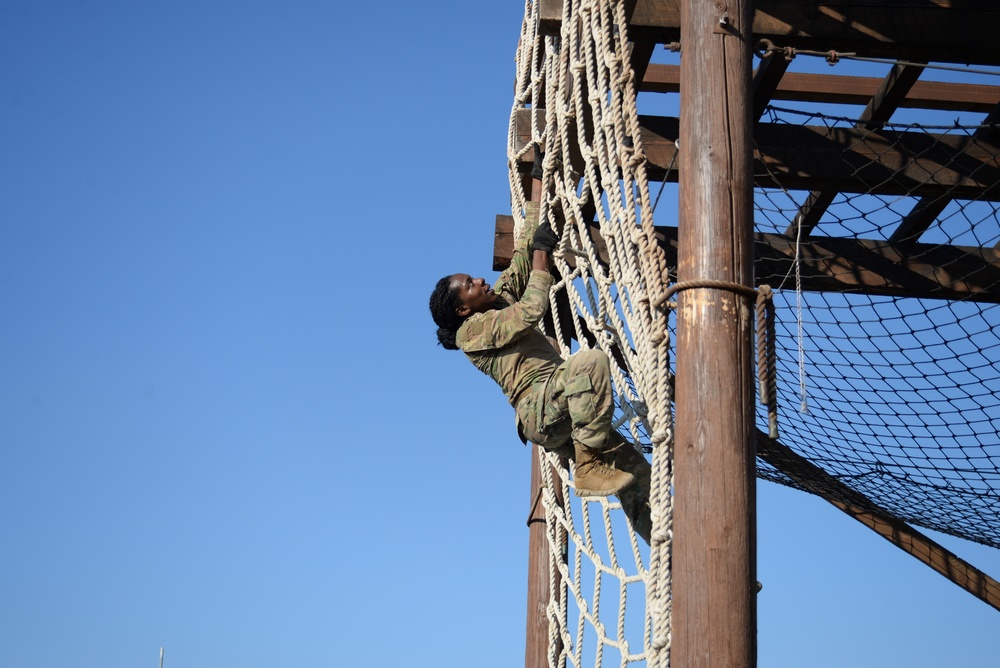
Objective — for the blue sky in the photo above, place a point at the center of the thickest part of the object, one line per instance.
(226, 428)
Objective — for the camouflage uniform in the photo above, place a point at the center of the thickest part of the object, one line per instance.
(552, 399)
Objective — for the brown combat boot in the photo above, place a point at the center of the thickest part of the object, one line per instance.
(635, 497)
(627, 458)
(596, 474)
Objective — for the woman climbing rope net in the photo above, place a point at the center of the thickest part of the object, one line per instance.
(565, 406)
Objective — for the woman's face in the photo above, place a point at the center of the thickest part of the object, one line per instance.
(474, 294)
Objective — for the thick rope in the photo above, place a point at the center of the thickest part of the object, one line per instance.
(766, 361)
(597, 168)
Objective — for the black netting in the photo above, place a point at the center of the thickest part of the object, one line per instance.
(889, 381)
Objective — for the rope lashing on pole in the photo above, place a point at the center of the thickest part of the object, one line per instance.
(764, 312)
(766, 366)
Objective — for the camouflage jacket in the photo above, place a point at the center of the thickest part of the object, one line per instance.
(504, 343)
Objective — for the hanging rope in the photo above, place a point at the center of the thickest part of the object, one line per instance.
(766, 357)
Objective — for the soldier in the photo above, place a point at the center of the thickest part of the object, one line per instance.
(555, 401)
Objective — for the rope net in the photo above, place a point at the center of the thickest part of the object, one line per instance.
(576, 94)
(884, 327)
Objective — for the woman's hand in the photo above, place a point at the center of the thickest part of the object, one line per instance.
(545, 239)
(542, 244)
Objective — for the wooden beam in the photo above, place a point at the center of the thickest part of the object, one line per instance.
(550, 23)
(536, 641)
(766, 79)
(810, 213)
(920, 217)
(503, 242)
(879, 109)
(642, 51)
(879, 268)
(811, 478)
(845, 159)
(926, 211)
(798, 157)
(889, 95)
(900, 29)
(842, 265)
(549, 17)
(837, 89)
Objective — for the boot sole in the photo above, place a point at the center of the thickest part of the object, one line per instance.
(595, 492)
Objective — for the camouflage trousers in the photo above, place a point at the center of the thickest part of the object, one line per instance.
(574, 403)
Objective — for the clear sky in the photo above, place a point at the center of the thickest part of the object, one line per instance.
(225, 426)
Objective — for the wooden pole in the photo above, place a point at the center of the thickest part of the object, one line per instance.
(714, 570)
(536, 648)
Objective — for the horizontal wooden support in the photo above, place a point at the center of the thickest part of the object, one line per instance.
(834, 89)
(841, 265)
(811, 478)
(834, 264)
(549, 16)
(797, 157)
(940, 31)
(503, 242)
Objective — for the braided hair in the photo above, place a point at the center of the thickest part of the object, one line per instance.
(444, 301)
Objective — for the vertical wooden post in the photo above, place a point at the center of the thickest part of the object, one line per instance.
(536, 649)
(714, 570)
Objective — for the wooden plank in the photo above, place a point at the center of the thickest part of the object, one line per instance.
(813, 479)
(838, 89)
(642, 51)
(920, 217)
(886, 162)
(841, 265)
(503, 242)
(536, 643)
(906, 29)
